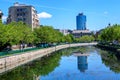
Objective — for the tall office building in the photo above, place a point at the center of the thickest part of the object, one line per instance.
(81, 21)
(25, 13)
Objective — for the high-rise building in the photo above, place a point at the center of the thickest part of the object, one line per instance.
(25, 13)
(81, 21)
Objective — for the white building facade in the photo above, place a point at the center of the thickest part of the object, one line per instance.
(24, 13)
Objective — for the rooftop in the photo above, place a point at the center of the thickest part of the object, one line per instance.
(81, 13)
(17, 4)
(81, 31)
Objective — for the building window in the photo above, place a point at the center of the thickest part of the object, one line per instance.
(19, 19)
(24, 10)
(17, 9)
(20, 9)
(23, 14)
(24, 19)
(17, 14)
(20, 14)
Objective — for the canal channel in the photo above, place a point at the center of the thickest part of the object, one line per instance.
(66, 65)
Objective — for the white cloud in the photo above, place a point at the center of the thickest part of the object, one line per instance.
(44, 15)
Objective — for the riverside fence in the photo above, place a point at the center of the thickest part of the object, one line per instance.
(10, 62)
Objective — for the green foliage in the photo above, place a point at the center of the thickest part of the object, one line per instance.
(86, 38)
(15, 32)
(111, 60)
(111, 33)
(0, 21)
(47, 34)
(68, 38)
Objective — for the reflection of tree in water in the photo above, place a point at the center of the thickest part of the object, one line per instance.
(111, 60)
(38, 67)
(86, 49)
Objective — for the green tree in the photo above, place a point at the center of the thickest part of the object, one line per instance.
(15, 32)
(69, 38)
(47, 34)
(86, 38)
(110, 33)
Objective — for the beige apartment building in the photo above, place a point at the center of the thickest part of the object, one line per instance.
(26, 13)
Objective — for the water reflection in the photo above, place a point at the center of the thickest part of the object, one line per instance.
(82, 63)
(36, 68)
(82, 60)
(62, 65)
(112, 60)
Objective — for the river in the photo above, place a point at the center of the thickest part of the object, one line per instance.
(65, 65)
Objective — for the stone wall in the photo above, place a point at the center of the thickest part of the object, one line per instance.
(12, 61)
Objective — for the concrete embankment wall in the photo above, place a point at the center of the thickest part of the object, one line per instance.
(12, 61)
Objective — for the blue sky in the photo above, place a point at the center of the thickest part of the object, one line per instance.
(61, 14)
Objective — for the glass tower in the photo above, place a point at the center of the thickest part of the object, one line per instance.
(81, 21)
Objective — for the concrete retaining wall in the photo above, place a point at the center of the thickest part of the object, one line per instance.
(10, 62)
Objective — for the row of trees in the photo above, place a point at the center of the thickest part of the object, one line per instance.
(18, 32)
(85, 38)
(110, 33)
(15, 33)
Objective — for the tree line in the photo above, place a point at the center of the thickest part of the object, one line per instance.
(16, 33)
(110, 33)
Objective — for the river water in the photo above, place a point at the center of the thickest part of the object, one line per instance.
(68, 65)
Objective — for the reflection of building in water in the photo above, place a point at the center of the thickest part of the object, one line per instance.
(82, 63)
